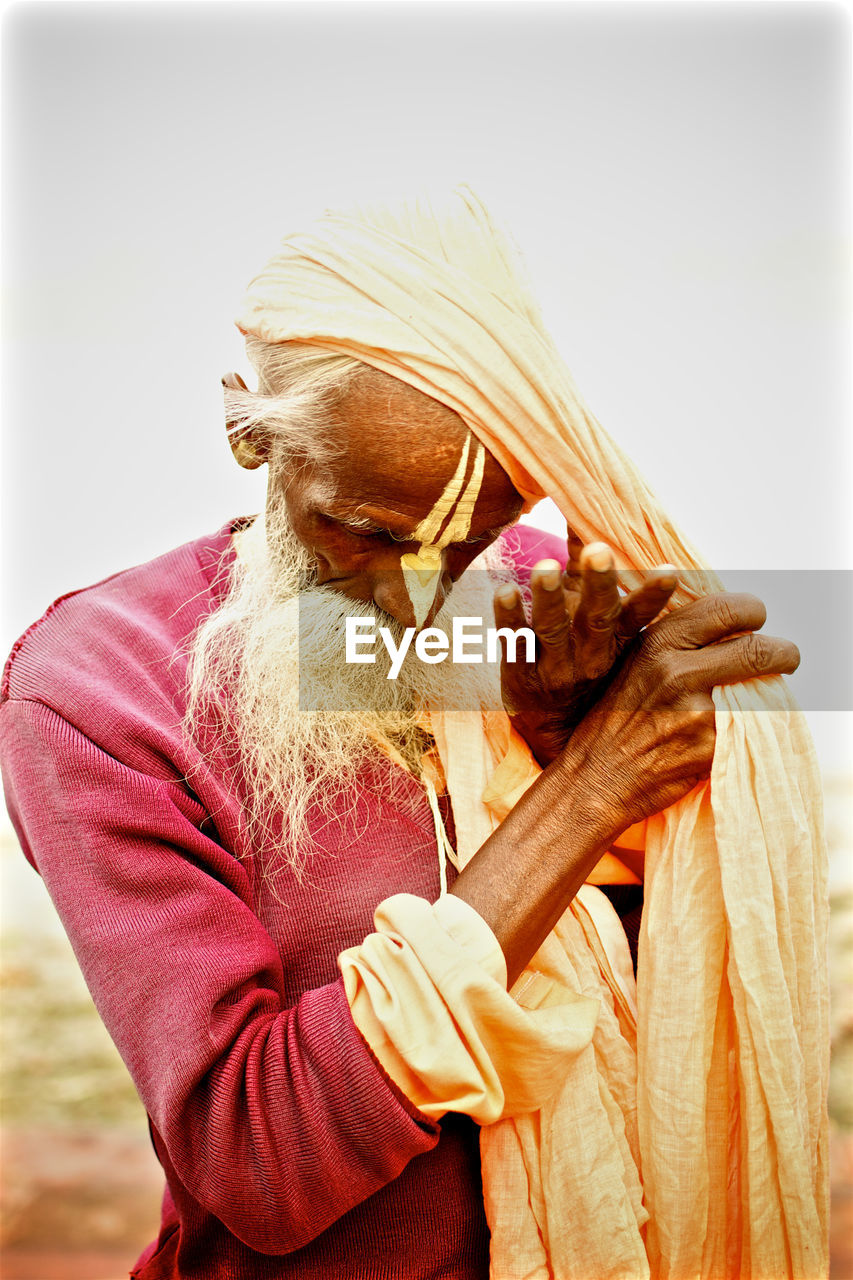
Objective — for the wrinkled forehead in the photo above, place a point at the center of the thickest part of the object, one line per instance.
(395, 446)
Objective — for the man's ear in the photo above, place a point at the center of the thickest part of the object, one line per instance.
(248, 449)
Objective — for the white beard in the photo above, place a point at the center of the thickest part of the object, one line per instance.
(275, 646)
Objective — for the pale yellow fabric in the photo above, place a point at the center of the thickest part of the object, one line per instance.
(477, 1050)
(428, 989)
(729, 1127)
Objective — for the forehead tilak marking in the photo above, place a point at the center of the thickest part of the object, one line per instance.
(428, 530)
(422, 570)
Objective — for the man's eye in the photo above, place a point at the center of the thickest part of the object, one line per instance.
(360, 530)
(364, 530)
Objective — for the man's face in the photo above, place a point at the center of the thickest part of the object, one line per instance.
(395, 452)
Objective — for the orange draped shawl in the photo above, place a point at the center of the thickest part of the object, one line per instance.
(684, 1138)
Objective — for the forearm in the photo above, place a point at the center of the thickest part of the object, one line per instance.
(526, 874)
(292, 1127)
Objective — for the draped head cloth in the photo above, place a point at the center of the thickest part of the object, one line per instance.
(725, 1123)
(435, 295)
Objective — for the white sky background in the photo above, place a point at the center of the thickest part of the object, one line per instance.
(677, 176)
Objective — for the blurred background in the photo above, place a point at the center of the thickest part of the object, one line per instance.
(678, 177)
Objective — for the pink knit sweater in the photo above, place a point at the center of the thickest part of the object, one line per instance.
(287, 1151)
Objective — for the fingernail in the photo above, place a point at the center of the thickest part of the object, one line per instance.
(667, 575)
(506, 595)
(548, 574)
(598, 556)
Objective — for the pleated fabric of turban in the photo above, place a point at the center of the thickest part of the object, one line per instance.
(723, 1119)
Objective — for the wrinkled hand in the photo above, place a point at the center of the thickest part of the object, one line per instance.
(651, 736)
(641, 747)
(583, 625)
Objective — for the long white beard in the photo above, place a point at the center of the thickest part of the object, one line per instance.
(275, 647)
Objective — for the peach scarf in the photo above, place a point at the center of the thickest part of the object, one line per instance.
(688, 1140)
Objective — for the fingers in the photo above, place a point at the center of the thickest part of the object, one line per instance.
(642, 606)
(720, 631)
(600, 600)
(572, 576)
(590, 607)
(604, 612)
(707, 620)
(509, 612)
(598, 611)
(744, 658)
(551, 622)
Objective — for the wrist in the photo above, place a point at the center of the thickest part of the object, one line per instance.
(596, 809)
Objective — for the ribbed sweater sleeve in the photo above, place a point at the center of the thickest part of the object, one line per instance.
(277, 1119)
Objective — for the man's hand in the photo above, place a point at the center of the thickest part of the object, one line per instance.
(651, 736)
(643, 745)
(582, 625)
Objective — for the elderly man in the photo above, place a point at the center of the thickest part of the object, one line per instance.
(301, 890)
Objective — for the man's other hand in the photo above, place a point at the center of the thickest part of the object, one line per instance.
(583, 625)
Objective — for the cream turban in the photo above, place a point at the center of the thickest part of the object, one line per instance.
(436, 296)
(732, 1030)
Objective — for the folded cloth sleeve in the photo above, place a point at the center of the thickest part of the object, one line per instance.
(428, 993)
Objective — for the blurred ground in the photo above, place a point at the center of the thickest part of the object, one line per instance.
(80, 1182)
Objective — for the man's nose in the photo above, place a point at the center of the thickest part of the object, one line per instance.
(391, 594)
